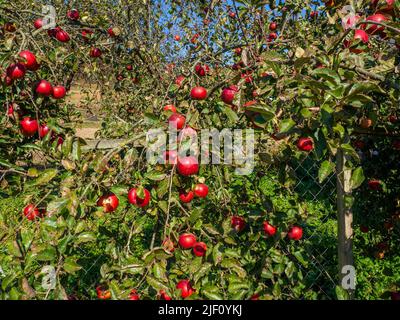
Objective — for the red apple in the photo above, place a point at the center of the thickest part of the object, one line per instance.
(171, 157)
(62, 36)
(179, 80)
(133, 198)
(43, 130)
(133, 295)
(16, 71)
(273, 26)
(198, 93)
(44, 88)
(59, 92)
(186, 197)
(38, 23)
(187, 166)
(295, 233)
(95, 52)
(29, 126)
(163, 295)
(73, 14)
(176, 121)
(269, 229)
(201, 190)
(238, 223)
(177, 38)
(374, 184)
(187, 240)
(29, 59)
(228, 94)
(373, 28)
(186, 288)
(305, 144)
(31, 212)
(199, 249)
(102, 293)
(170, 107)
(202, 70)
(109, 202)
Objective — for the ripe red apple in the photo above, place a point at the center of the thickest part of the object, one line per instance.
(228, 94)
(133, 295)
(199, 249)
(272, 36)
(62, 36)
(202, 70)
(373, 28)
(374, 184)
(170, 107)
(186, 288)
(59, 92)
(16, 71)
(29, 59)
(186, 197)
(177, 38)
(179, 80)
(102, 293)
(194, 38)
(129, 67)
(170, 157)
(187, 132)
(198, 93)
(295, 233)
(396, 144)
(395, 296)
(361, 35)
(187, 240)
(43, 130)
(38, 23)
(111, 32)
(313, 14)
(10, 27)
(31, 212)
(201, 190)
(359, 144)
(238, 223)
(133, 198)
(187, 166)
(176, 121)
(73, 14)
(95, 52)
(269, 229)
(232, 14)
(163, 295)
(168, 245)
(273, 26)
(44, 88)
(109, 202)
(29, 126)
(305, 144)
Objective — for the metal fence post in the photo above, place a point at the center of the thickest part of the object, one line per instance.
(345, 218)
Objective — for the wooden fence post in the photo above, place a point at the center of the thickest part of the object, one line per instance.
(345, 218)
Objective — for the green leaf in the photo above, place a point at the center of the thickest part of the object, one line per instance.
(45, 177)
(211, 292)
(286, 125)
(47, 254)
(341, 293)
(71, 266)
(357, 178)
(155, 176)
(85, 237)
(325, 170)
(327, 74)
(156, 284)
